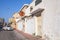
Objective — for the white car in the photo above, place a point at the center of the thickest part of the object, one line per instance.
(7, 28)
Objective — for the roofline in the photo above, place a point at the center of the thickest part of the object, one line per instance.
(23, 7)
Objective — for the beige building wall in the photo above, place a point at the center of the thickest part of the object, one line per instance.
(13, 22)
(19, 20)
(13, 25)
(16, 17)
(38, 26)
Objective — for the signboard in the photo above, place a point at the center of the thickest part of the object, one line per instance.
(21, 13)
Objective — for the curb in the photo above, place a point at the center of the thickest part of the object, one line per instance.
(28, 36)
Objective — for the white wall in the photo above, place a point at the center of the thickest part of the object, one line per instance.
(51, 19)
(30, 23)
(19, 26)
(27, 12)
(30, 26)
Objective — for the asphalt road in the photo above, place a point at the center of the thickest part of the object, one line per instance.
(11, 35)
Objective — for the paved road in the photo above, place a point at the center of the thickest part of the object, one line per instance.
(11, 35)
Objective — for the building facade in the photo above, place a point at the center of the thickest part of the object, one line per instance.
(12, 22)
(42, 19)
(20, 21)
(48, 25)
(50, 17)
(34, 19)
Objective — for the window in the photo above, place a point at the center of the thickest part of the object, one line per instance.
(37, 2)
(31, 8)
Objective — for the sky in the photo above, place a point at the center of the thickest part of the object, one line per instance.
(9, 7)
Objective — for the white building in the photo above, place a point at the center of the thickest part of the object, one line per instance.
(33, 23)
(50, 21)
(43, 19)
(18, 18)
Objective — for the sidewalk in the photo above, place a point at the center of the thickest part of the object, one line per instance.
(28, 36)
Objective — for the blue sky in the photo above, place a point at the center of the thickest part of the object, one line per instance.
(8, 7)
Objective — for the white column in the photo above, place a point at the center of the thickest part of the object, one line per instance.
(38, 26)
(36, 29)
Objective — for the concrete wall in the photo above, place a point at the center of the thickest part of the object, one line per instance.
(30, 26)
(51, 19)
(19, 26)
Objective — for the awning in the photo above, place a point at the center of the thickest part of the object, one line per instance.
(37, 12)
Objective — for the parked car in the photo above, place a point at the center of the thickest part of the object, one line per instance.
(0, 28)
(8, 28)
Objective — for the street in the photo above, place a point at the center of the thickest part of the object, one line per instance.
(10, 35)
